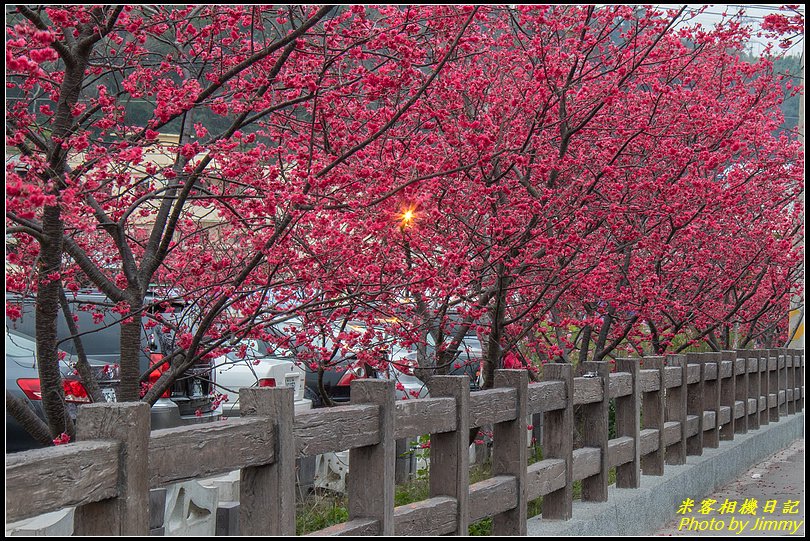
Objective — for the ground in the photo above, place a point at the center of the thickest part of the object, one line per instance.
(779, 477)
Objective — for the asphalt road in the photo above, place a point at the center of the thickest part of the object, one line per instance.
(779, 477)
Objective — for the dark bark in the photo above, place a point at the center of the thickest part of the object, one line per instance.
(47, 312)
(726, 337)
(586, 343)
(325, 400)
(655, 339)
(600, 354)
(131, 351)
(51, 242)
(82, 366)
(493, 359)
(28, 419)
(604, 331)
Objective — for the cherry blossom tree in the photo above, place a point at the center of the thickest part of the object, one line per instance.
(271, 106)
(567, 182)
(612, 161)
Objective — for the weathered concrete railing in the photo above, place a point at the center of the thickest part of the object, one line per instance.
(686, 402)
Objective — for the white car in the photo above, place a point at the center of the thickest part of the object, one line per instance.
(257, 368)
(403, 361)
(400, 369)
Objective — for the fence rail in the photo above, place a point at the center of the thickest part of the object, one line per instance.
(666, 408)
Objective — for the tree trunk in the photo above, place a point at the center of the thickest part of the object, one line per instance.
(47, 312)
(82, 366)
(497, 313)
(131, 352)
(586, 343)
(51, 246)
(28, 419)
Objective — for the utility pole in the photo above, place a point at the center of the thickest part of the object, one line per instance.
(796, 317)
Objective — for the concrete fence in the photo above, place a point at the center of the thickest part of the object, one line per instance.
(666, 408)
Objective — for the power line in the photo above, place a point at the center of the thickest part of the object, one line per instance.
(747, 8)
(745, 16)
(765, 8)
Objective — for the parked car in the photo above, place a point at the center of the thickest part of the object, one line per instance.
(403, 362)
(253, 364)
(22, 381)
(469, 362)
(345, 367)
(189, 400)
(401, 369)
(337, 380)
(339, 372)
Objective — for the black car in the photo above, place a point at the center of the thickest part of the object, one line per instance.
(339, 372)
(337, 378)
(189, 400)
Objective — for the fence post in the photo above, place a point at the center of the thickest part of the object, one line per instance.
(763, 373)
(771, 383)
(652, 415)
(628, 414)
(595, 434)
(509, 453)
(800, 384)
(694, 404)
(797, 380)
(774, 384)
(558, 442)
(790, 406)
(794, 380)
(371, 469)
(781, 364)
(711, 398)
(676, 411)
(752, 367)
(267, 493)
(449, 451)
(741, 390)
(788, 381)
(728, 392)
(127, 514)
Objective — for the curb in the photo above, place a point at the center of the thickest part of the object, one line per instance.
(640, 511)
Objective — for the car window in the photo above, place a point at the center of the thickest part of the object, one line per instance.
(472, 342)
(100, 341)
(19, 346)
(102, 338)
(264, 348)
(24, 324)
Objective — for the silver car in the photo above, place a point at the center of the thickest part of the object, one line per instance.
(251, 364)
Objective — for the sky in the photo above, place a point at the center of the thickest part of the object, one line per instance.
(753, 12)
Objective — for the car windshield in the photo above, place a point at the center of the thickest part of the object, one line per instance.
(253, 349)
(472, 342)
(102, 339)
(99, 328)
(19, 346)
(264, 349)
(99, 340)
